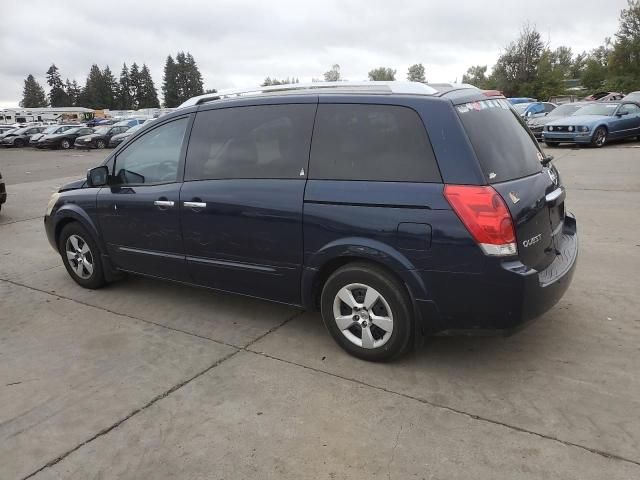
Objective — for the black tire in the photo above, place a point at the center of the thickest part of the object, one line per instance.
(392, 295)
(65, 144)
(551, 144)
(599, 137)
(100, 144)
(96, 277)
(18, 143)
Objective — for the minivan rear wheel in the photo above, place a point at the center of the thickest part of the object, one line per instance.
(367, 311)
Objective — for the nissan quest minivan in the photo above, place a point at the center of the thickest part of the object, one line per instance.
(396, 209)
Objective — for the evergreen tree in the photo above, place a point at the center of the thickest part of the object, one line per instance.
(134, 85)
(147, 93)
(193, 78)
(169, 85)
(382, 73)
(91, 96)
(33, 94)
(57, 94)
(73, 92)
(416, 73)
(182, 79)
(124, 89)
(108, 89)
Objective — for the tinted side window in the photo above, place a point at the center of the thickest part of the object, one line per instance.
(154, 157)
(264, 141)
(371, 142)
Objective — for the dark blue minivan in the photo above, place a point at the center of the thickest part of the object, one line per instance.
(396, 209)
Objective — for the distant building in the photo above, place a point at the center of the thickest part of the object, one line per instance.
(142, 113)
(45, 114)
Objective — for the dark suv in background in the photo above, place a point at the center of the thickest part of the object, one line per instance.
(396, 209)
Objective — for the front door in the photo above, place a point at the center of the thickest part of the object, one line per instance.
(139, 212)
(242, 198)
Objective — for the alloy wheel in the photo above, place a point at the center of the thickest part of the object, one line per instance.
(79, 256)
(363, 315)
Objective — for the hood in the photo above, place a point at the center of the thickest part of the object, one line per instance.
(73, 185)
(121, 136)
(579, 120)
(90, 136)
(536, 122)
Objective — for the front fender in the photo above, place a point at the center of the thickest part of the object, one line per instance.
(74, 211)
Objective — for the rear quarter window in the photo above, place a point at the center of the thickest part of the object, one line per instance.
(502, 142)
(371, 142)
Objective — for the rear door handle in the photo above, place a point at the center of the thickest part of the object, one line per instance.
(164, 203)
(195, 204)
(555, 197)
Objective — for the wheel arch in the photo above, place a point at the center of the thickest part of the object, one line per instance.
(319, 267)
(72, 213)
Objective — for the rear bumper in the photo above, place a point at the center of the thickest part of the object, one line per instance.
(505, 299)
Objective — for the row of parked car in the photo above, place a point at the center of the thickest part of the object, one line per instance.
(589, 122)
(69, 136)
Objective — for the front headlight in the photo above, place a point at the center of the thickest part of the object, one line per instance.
(583, 129)
(52, 203)
(550, 128)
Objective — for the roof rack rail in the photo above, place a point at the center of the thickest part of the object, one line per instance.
(376, 88)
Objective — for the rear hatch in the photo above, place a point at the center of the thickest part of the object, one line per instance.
(511, 161)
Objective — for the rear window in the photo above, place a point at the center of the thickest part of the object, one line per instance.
(371, 142)
(503, 144)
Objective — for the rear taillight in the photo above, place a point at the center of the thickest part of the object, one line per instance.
(486, 216)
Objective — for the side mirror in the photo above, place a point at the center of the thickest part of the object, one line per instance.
(528, 114)
(620, 114)
(98, 176)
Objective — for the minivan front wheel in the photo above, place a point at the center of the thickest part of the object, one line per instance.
(367, 312)
(81, 256)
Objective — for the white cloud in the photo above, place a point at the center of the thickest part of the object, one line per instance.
(238, 43)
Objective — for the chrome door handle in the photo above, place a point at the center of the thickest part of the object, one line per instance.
(553, 196)
(164, 203)
(195, 204)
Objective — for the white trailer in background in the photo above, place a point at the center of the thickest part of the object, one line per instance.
(10, 116)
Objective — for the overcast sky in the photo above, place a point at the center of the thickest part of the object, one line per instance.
(237, 43)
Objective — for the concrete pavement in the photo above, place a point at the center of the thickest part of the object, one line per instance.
(144, 379)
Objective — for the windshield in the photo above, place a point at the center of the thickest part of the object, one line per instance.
(72, 130)
(521, 107)
(635, 96)
(102, 130)
(598, 109)
(503, 144)
(134, 128)
(50, 129)
(564, 110)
